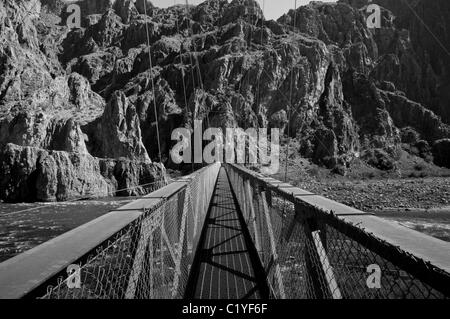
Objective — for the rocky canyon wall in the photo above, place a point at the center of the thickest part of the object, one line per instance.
(81, 100)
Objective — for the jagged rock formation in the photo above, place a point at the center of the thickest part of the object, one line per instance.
(30, 173)
(345, 90)
(44, 108)
(34, 174)
(117, 133)
(418, 60)
(42, 131)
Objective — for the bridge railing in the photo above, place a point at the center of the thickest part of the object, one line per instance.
(142, 250)
(313, 247)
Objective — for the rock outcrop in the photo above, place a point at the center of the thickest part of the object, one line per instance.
(91, 98)
(34, 174)
(117, 133)
(418, 46)
(42, 131)
(45, 106)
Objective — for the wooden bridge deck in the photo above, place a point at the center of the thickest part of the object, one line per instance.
(226, 265)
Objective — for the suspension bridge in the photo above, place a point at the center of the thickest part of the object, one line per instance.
(227, 232)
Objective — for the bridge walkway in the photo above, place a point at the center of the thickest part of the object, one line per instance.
(226, 264)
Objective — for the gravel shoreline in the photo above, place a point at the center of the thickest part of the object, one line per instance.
(424, 194)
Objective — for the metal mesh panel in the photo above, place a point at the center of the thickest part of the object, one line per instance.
(151, 257)
(305, 252)
(308, 253)
(294, 265)
(135, 264)
(350, 260)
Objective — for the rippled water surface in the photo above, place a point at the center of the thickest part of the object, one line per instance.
(23, 226)
(436, 224)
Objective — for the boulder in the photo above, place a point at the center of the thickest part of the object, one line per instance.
(42, 131)
(117, 134)
(242, 9)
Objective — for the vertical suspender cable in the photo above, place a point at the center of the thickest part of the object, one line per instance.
(193, 90)
(261, 43)
(184, 85)
(153, 82)
(197, 64)
(290, 105)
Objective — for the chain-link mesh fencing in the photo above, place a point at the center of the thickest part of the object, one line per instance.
(309, 253)
(151, 257)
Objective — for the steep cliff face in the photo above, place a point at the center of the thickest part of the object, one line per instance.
(44, 108)
(35, 174)
(117, 133)
(419, 60)
(91, 92)
(385, 72)
(42, 131)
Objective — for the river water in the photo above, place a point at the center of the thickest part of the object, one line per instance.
(436, 224)
(24, 226)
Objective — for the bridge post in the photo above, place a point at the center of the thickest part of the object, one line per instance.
(144, 242)
(183, 207)
(241, 193)
(278, 275)
(252, 216)
(246, 200)
(161, 249)
(196, 215)
(237, 183)
(205, 201)
(322, 280)
(150, 261)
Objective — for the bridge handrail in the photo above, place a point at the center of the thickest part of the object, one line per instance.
(29, 274)
(426, 259)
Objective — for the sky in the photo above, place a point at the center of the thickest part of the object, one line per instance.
(273, 9)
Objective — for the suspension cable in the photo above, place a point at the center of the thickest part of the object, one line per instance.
(152, 82)
(197, 64)
(290, 104)
(193, 90)
(285, 98)
(258, 87)
(184, 84)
